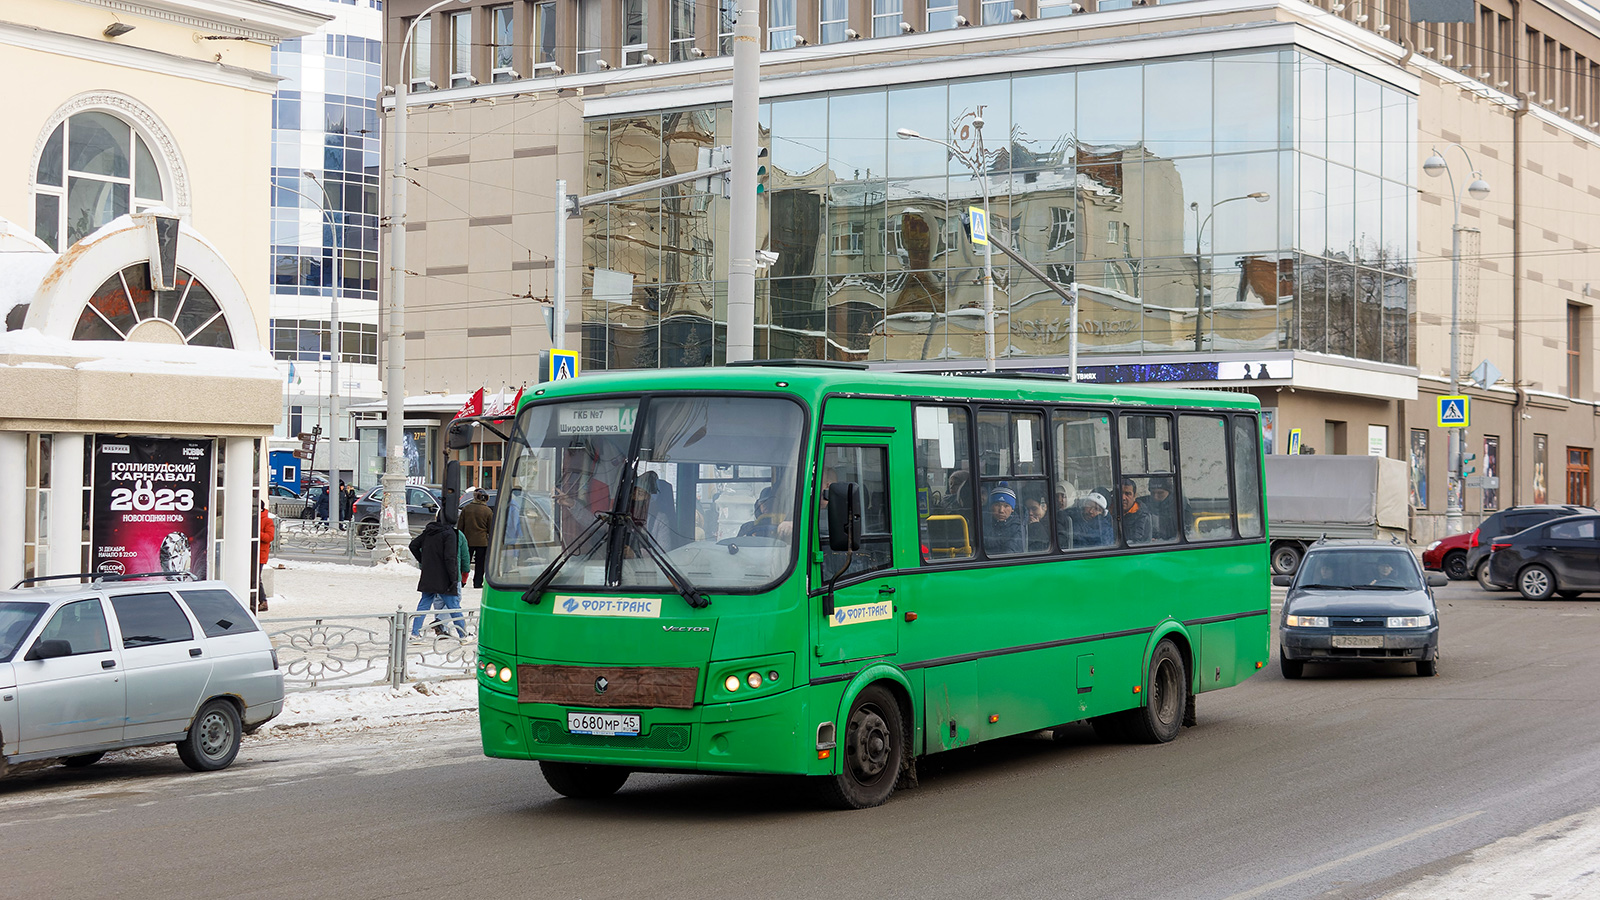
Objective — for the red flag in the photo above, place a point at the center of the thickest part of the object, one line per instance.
(473, 406)
(506, 411)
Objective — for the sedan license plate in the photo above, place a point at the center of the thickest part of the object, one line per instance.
(609, 724)
(1358, 641)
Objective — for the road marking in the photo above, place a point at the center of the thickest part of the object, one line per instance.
(1386, 845)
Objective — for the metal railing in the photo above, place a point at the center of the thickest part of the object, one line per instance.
(315, 537)
(327, 652)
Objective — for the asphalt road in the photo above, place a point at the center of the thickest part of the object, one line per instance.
(1346, 784)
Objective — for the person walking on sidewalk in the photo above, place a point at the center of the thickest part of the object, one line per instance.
(474, 522)
(441, 553)
(268, 532)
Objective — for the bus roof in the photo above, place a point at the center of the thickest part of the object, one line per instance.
(816, 381)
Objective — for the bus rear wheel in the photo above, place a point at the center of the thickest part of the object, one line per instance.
(1166, 694)
(873, 748)
(583, 782)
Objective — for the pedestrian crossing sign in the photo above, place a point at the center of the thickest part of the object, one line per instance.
(980, 225)
(1454, 412)
(560, 365)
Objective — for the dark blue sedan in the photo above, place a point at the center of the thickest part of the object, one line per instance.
(1560, 557)
(1359, 602)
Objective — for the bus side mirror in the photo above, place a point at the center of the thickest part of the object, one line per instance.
(459, 435)
(844, 516)
(450, 496)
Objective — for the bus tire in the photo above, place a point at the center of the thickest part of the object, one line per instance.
(873, 751)
(1166, 696)
(583, 782)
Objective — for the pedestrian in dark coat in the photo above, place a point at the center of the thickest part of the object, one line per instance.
(441, 553)
(474, 522)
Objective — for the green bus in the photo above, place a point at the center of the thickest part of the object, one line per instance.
(827, 571)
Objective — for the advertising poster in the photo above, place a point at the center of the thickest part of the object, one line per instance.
(152, 505)
(1541, 468)
(1419, 469)
(1269, 428)
(1491, 471)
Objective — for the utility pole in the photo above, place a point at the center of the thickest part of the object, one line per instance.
(742, 213)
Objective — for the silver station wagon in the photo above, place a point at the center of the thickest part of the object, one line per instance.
(89, 668)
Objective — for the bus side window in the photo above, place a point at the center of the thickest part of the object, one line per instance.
(1082, 475)
(869, 468)
(1247, 475)
(1145, 502)
(1207, 511)
(945, 488)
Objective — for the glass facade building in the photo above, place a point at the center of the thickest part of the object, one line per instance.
(1235, 201)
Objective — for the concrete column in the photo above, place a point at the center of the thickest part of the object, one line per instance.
(238, 520)
(13, 505)
(64, 554)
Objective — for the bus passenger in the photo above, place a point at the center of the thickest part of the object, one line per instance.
(1094, 523)
(1136, 525)
(1038, 527)
(1002, 528)
(1162, 509)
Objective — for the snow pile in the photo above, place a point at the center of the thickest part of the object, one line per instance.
(372, 707)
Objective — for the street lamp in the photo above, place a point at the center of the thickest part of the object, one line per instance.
(1199, 265)
(1479, 189)
(976, 165)
(394, 524)
(333, 371)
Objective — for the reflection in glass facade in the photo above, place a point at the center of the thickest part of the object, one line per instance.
(1134, 180)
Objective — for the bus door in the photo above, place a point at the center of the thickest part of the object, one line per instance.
(863, 624)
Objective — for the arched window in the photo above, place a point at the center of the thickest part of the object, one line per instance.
(94, 167)
(126, 308)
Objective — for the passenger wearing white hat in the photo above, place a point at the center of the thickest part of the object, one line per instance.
(1094, 525)
(1002, 528)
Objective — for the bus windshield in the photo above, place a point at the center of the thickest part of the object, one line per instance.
(708, 483)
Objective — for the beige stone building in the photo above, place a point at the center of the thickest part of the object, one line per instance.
(135, 387)
(1238, 186)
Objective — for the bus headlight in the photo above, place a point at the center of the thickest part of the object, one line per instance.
(490, 669)
(732, 684)
(754, 680)
(505, 674)
(1306, 621)
(1410, 621)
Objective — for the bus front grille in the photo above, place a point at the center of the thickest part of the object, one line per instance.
(661, 737)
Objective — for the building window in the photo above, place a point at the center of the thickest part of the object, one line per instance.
(126, 303)
(727, 12)
(635, 32)
(1063, 226)
(682, 38)
(307, 340)
(834, 20)
(1574, 351)
(500, 21)
(849, 238)
(461, 49)
(1049, 9)
(94, 168)
(422, 55)
(590, 37)
(996, 12)
(1113, 231)
(780, 24)
(544, 36)
(941, 15)
(886, 17)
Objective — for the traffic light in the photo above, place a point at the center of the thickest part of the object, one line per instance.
(761, 171)
(1467, 468)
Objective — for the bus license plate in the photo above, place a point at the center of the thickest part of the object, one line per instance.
(1358, 641)
(610, 724)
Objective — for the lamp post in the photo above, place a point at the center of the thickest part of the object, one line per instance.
(1479, 189)
(394, 524)
(333, 371)
(1199, 260)
(976, 165)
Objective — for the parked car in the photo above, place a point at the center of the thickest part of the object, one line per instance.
(131, 662)
(1559, 557)
(1449, 556)
(1359, 602)
(285, 502)
(1505, 522)
(422, 507)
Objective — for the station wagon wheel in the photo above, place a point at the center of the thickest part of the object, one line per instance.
(1483, 577)
(872, 751)
(583, 782)
(214, 738)
(1292, 668)
(1455, 566)
(367, 533)
(1536, 583)
(85, 759)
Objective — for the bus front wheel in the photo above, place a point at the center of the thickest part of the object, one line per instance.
(873, 748)
(1161, 717)
(583, 782)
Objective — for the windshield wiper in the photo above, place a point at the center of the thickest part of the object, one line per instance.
(537, 589)
(1325, 587)
(656, 552)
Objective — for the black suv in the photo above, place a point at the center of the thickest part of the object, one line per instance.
(1507, 522)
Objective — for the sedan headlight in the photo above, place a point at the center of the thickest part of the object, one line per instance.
(1410, 621)
(1433, 546)
(1306, 621)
